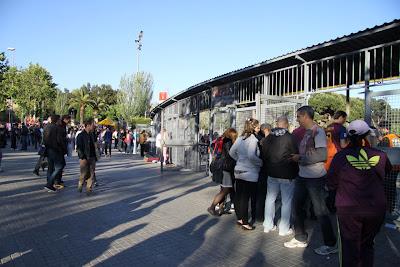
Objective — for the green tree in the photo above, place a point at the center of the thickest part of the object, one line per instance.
(326, 104)
(4, 92)
(80, 99)
(105, 92)
(61, 102)
(98, 104)
(126, 98)
(32, 89)
(143, 93)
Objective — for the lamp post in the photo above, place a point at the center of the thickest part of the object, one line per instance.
(138, 41)
(12, 50)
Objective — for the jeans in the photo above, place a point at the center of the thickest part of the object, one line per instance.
(314, 187)
(56, 163)
(286, 187)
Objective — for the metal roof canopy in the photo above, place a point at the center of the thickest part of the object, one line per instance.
(361, 40)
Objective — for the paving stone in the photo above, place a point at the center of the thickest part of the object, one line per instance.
(138, 218)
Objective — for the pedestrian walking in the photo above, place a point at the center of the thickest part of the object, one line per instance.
(86, 148)
(55, 149)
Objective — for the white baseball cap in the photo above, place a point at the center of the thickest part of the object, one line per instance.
(358, 127)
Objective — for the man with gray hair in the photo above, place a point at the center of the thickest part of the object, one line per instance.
(277, 150)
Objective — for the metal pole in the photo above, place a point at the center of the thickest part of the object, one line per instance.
(367, 92)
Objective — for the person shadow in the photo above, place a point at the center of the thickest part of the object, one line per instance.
(169, 248)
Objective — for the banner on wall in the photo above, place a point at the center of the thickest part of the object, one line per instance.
(222, 95)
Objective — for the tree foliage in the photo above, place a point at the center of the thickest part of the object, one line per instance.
(3, 91)
(328, 103)
(134, 96)
(80, 99)
(32, 89)
(61, 102)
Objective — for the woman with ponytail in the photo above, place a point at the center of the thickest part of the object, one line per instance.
(248, 163)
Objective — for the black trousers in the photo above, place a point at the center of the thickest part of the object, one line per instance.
(244, 192)
(357, 234)
(107, 145)
(260, 199)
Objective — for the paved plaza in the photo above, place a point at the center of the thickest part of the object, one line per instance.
(138, 217)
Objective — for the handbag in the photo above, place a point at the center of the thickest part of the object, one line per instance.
(216, 169)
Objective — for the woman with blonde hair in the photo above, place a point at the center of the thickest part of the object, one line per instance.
(229, 137)
(248, 163)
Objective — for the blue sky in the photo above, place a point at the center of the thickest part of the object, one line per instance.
(184, 43)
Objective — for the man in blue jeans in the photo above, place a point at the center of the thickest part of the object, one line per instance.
(55, 153)
(311, 181)
(277, 149)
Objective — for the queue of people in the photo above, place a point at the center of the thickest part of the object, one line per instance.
(295, 164)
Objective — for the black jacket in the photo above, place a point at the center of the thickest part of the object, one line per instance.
(229, 162)
(83, 145)
(276, 150)
(53, 138)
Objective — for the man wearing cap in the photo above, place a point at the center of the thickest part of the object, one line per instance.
(357, 174)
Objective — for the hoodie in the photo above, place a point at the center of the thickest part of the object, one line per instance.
(276, 152)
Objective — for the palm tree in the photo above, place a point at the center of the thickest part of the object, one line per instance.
(81, 98)
(98, 104)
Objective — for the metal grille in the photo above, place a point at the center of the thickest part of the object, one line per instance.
(386, 113)
(241, 116)
(221, 122)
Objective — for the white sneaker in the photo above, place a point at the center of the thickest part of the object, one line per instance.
(270, 230)
(326, 250)
(287, 233)
(294, 243)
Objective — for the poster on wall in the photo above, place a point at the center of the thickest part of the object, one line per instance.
(222, 95)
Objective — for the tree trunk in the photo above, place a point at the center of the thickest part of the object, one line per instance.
(81, 113)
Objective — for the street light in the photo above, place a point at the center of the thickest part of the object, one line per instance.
(138, 41)
(12, 49)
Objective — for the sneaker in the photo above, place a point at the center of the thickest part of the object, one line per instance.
(270, 230)
(326, 250)
(36, 172)
(294, 243)
(50, 189)
(287, 233)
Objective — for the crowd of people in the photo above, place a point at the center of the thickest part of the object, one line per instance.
(308, 172)
(315, 172)
(56, 138)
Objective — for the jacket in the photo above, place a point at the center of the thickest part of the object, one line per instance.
(52, 138)
(229, 162)
(83, 145)
(357, 176)
(277, 148)
(246, 153)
